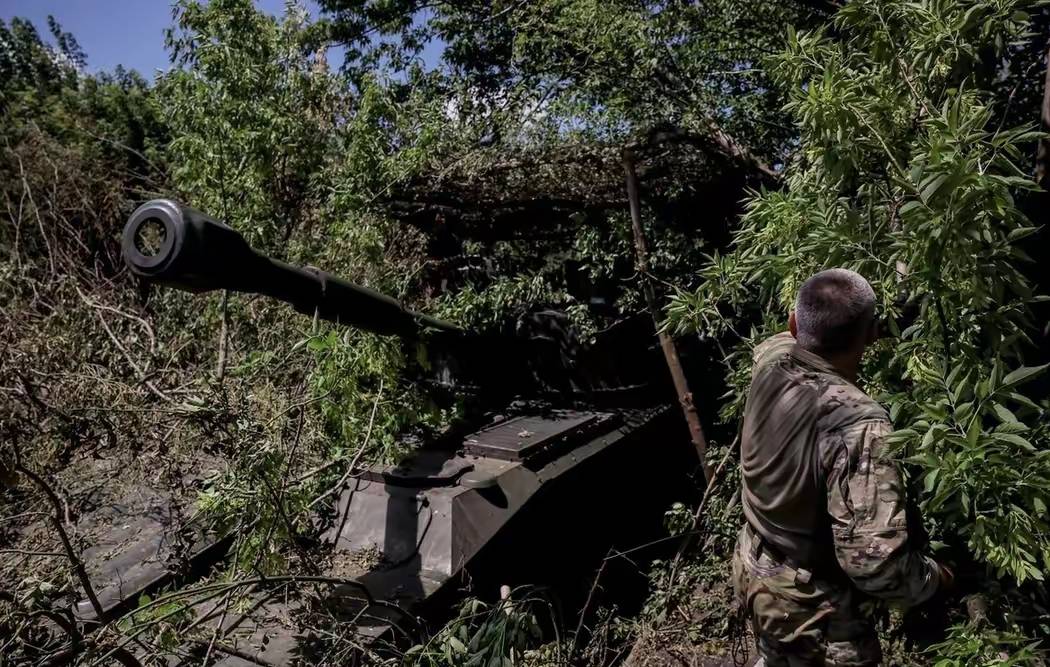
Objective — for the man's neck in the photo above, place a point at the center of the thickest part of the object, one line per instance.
(846, 363)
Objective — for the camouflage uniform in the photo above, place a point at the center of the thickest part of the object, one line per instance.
(826, 515)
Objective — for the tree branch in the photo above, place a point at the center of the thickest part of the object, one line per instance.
(57, 520)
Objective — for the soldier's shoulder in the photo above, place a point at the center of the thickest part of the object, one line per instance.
(843, 404)
(774, 348)
(844, 408)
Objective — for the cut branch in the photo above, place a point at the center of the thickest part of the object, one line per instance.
(58, 520)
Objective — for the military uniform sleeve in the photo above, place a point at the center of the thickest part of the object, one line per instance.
(868, 508)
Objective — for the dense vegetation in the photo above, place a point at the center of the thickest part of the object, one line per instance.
(891, 137)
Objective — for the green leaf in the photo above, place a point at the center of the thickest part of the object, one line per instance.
(1023, 374)
(909, 207)
(1022, 182)
(931, 186)
(962, 389)
(950, 380)
(973, 433)
(970, 17)
(1020, 233)
(931, 480)
(911, 330)
(1039, 505)
(1024, 400)
(1011, 427)
(1004, 414)
(927, 439)
(1014, 439)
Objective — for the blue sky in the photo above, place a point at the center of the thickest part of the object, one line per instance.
(114, 32)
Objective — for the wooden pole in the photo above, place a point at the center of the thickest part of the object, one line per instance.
(674, 364)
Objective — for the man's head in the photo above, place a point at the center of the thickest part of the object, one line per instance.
(835, 314)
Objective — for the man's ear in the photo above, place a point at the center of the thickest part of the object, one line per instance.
(792, 325)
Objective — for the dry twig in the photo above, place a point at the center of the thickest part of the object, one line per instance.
(58, 520)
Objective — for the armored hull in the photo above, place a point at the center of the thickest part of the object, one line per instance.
(529, 499)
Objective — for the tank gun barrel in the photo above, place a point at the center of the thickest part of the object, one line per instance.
(170, 244)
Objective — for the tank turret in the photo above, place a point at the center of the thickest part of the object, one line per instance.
(167, 243)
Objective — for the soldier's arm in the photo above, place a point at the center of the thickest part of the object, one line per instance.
(867, 504)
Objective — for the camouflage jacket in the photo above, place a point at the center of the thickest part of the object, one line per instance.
(817, 485)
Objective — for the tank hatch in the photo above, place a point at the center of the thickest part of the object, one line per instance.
(524, 438)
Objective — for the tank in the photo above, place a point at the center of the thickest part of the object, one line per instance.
(552, 476)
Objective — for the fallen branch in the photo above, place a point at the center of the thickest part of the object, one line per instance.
(357, 456)
(24, 552)
(587, 603)
(224, 337)
(116, 311)
(36, 211)
(142, 376)
(58, 521)
(211, 591)
(218, 627)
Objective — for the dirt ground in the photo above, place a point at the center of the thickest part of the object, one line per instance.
(693, 634)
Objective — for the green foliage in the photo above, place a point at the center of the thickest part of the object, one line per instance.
(473, 307)
(368, 400)
(251, 111)
(598, 66)
(678, 519)
(267, 139)
(107, 124)
(524, 91)
(969, 647)
(388, 140)
(29, 64)
(976, 452)
(167, 620)
(484, 635)
(906, 175)
(533, 84)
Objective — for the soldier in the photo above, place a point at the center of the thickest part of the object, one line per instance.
(825, 508)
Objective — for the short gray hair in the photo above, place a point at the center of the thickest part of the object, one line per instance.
(834, 308)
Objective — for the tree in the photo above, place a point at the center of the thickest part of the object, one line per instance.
(906, 173)
(610, 66)
(251, 108)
